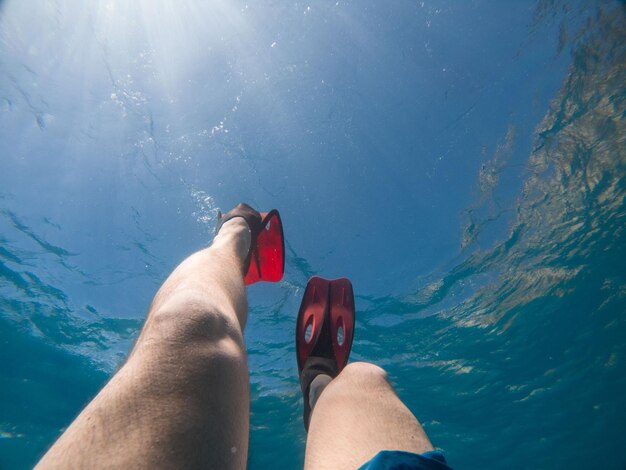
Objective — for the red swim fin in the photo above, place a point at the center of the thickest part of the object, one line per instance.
(267, 262)
(324, 332)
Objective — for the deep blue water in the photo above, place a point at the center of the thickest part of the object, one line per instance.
(464, 163)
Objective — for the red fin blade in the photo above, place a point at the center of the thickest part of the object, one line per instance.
(268, 257)
(342, 317)
(311, 312)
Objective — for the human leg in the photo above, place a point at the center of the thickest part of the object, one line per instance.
(357, 415)
(182, 398)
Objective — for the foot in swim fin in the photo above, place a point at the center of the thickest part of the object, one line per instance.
(324, 332)
(266, 258)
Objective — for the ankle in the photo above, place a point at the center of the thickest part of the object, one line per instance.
(236, 235)
(316, 388)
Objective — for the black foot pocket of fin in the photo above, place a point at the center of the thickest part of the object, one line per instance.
(313, 367)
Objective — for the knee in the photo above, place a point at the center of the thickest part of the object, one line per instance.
(188, 323)
(192, 344)
(364, 373)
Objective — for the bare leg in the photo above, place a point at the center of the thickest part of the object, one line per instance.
(357, 415)
(182, 398)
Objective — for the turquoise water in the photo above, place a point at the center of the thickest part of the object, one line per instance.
(463, 163)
